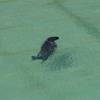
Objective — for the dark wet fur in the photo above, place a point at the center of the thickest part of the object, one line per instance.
(47, 49)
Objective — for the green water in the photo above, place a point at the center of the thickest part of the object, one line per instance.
(73, 72)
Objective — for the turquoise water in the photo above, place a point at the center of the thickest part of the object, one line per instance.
(73, 72)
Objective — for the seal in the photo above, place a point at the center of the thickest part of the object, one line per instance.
(47, 49)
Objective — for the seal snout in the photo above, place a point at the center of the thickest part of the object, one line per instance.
(53, 38)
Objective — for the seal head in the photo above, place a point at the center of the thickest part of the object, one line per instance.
(52, 39)
(47, 49)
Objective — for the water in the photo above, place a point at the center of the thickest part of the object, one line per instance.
(72, 72)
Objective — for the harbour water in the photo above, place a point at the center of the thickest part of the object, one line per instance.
(73, 72)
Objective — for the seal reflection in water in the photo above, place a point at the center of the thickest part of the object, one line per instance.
(47, 49)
